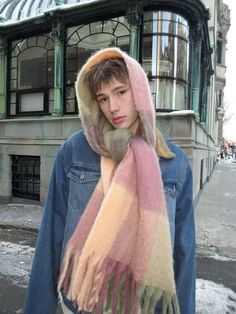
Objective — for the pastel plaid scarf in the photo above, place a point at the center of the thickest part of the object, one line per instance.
(119, 257)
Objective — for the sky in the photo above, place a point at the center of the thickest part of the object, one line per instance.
(229, 91)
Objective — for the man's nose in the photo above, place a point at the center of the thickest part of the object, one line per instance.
(113, 104)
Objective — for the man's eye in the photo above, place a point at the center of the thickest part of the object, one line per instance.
(102, 100)
(121, 92)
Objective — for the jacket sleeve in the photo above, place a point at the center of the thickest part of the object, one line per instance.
(184, 250)
(41, 295)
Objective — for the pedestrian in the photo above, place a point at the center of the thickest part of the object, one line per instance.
(117, 233)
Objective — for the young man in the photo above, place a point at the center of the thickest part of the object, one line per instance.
(117, 234)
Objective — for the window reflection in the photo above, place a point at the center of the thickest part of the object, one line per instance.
(31, 75)
(84, 40)
(165, 51)
(31, 61)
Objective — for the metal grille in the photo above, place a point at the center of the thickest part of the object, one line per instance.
(26, 177)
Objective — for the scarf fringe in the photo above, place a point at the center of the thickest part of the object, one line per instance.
(113, 288)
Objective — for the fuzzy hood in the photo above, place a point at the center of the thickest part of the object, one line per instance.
(93, 121)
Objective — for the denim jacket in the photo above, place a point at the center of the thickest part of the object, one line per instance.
(75, 174)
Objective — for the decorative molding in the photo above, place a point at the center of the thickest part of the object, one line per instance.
(134, 15)
(223, 17)
(3, 45)
(58, 31)
(196, 33)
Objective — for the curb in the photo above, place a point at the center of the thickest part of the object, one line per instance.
(23, 228)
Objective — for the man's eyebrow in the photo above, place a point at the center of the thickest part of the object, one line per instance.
(99, 94)
(119, 87)
(113, 90)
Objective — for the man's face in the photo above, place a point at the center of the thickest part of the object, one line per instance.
(116, 101)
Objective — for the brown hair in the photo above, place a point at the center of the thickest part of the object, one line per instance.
(105, 71)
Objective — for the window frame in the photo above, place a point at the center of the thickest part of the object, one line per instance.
(45, 92)
(20, 178)
(173, 35)
(91, 33)
(21, 91)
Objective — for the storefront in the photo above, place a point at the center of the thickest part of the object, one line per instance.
(43, 45)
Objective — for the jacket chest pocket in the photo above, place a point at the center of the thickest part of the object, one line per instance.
(170, 195)
(83, 181)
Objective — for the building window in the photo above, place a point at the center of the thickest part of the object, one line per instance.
(219, 48)
(26, 177)
(31, 76)
(165, 58)
(201, 174)
(219, 99)
(84, 40)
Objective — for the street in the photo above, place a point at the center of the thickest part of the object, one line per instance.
(216, 242)
(16, 256)
(216, 263)
(16, 252)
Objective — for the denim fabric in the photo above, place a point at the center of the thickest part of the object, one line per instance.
(75, 174)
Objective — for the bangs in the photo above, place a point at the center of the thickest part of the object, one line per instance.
(105, 72)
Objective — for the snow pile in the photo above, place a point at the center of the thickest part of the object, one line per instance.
(15, 261)
(221, 258)
(228, 194)
(214, 298)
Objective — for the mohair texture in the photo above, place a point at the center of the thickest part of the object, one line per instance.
(119, 258)
(94, 123)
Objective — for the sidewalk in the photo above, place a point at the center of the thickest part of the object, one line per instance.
(20, 216)
(216, 214)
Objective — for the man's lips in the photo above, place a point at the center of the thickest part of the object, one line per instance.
(118, 120)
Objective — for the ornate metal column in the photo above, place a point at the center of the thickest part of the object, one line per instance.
(204, 98)
(3, 53)
(58, 34)
(197, 45)
(133, 17)
(209, 73)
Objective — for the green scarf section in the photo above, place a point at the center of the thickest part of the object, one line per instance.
(116, 143)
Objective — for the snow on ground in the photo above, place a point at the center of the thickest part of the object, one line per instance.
(15, 261)
(218, 257)
(228, 194)
(212, 298)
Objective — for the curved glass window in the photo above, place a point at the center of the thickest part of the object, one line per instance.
(84, 40)
(31, 76)
(165, 58)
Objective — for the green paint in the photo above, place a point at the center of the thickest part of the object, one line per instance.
(134, 41)
(196, 77)
(58, 82)
(207, 107)
(2, 84)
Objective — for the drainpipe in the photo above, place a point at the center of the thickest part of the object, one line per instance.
(58, 34)
(3, 53)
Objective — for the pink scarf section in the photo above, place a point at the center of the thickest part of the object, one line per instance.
(119, 257)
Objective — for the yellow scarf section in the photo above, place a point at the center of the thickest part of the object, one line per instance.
(161, 147)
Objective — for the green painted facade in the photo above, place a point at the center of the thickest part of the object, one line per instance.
(2, 78)
(57, 21)
(42, 134)
(58, 35)
(196, 75)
